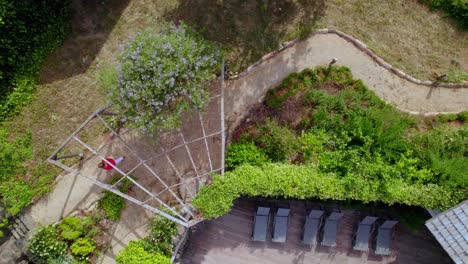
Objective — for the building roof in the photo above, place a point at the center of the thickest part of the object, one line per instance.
(450, 228)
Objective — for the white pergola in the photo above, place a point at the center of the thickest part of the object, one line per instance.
(183, 213)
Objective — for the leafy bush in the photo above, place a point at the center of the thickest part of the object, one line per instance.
(162, 75)
(462, 116)
(313, 142)
(240, 153)
(458, 9)
(113, 204)
(71, 228)
(162, 230)
(83, 247)
(278, 180)
(45, 244)
(29, 31)
(135, 252)
(445, 152)
(279, 142)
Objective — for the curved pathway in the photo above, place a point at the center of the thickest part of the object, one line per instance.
(390, 84)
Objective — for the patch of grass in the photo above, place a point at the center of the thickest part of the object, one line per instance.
(393, 30)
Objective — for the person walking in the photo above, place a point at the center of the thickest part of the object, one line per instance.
(106, 166)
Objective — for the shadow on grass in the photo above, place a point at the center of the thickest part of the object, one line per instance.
(249, 29)
(92, 21)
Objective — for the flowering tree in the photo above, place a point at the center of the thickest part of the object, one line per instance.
(162, 75)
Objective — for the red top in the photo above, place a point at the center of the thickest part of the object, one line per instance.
(108, 167)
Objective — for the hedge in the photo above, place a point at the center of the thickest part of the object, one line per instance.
(278, 180)
(29, 31)
(458, 9)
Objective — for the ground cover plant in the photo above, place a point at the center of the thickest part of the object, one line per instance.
(72, 240)
(155, 248)
(332, 138)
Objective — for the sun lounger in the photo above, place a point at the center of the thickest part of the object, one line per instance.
(280, 225)
(312, 225)
(330, 230)
(261, 219)
(363, 234)
(384, 237)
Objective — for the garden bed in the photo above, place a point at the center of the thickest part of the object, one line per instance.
(322, 134)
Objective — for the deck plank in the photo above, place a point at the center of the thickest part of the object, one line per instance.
(227, 240)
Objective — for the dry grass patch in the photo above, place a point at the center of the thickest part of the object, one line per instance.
(405, 33)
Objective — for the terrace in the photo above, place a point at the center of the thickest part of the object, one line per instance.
(228, 240)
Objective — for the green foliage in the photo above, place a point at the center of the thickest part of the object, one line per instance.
(113, 204)
(462, 116)
(278, 142)
(162, 230)
(240, 153)
(135, 252)
(71, 228)
(163, 75)
(63, 259)
(313, 142)
(445, 151)
(447, 118)
(354, 147)
(456, 75)
(306, 182)
(83, 247)
(29, 31)
(45, 244)
(289, 87)
(458, 9)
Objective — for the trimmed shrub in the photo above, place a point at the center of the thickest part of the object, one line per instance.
(162, 75)
(135, 252)
(286, 181)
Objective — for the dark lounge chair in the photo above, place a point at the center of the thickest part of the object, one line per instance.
(363, 234)
(384, 237)
(280, 225)
(312, 225)
(331, 228)
(261, 219)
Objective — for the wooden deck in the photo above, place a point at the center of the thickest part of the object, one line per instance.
(226, 240)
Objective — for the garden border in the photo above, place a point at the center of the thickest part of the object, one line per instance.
(362, 47)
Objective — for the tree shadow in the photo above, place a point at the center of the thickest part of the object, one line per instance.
(248, 29)
(91, 23)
